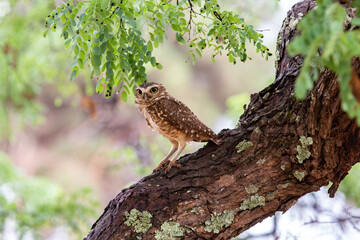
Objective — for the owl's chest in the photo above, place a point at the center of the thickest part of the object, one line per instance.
(152, 120)
(157, 122)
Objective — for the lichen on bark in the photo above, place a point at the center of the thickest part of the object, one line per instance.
(303, 149)
(252, 202)
(251, 189)
(169, 231)
(141, 221)
(219, 221)
(243, 145)
(299, 175)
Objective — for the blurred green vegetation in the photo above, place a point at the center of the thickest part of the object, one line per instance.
(27, 63)
(129, 157)
(350, 186)
(36, 204)
(236, 105)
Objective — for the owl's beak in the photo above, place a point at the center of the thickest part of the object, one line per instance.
(146, 96)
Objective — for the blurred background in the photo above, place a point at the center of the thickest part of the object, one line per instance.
(66, 152)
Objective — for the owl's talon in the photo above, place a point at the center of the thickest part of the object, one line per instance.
(172, 164)
(161, 165)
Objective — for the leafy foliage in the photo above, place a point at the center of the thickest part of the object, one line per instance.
(49, 207)
(236, 104)
(127, 156)
(116, 38)
(325, 43)
(27, 62)
(350, 186)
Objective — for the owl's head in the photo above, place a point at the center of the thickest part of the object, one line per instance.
(148, 93)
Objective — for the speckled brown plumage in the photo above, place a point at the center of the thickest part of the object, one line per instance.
(172, 119)
(169, 112)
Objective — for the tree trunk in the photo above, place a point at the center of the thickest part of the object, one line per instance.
(282, 149)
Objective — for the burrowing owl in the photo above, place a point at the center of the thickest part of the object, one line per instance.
(172, 119)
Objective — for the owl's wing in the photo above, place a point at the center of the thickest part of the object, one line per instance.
(182, 118)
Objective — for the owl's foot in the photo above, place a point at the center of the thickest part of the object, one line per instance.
(172, 164)
(161, 165)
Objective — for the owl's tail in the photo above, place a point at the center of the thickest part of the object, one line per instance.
(216, 141)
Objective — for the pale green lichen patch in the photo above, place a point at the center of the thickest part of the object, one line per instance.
(303, 151)
(219, 221)
(243, 145)
(261, 161)
(252, 202)
(251, 189)
(283, 167)
(169, 231)
(285, 185)
(306, 141)
(271, 195)
(299, 175)
(294, 21)
(141, 221)
(266, 96)
(197, 210)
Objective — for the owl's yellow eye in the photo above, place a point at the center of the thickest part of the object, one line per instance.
(154, 90)
(139, 91)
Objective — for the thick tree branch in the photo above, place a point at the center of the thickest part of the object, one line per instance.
(282, 149)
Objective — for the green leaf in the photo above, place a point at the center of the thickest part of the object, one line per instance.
(97, 51)
(96, 60)
(149, 46)
(74, 73)
(65, 34)
(159, 66)
(82, 55)
(175, 27)
(72, 21)
(76, 49)
(198, 52)
(231, 58)
(193, 58)
(153, 61)
(45, 32)
(79, 41)
(83, 35)
(213, 58)
(104, 4)
(96, 70)
(180, 38)
(124, 96)
(142, 71)
(99, 86)
(63, 18)
(53, 28)
(102, 48)
(67, 43)
(85, 46)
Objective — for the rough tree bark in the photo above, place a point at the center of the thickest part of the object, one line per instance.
(282, 149)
